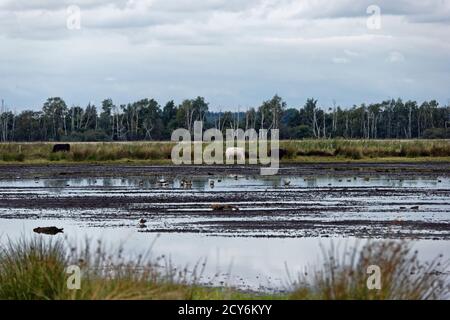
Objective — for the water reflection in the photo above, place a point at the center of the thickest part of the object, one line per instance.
(228, 183)
(248, 263)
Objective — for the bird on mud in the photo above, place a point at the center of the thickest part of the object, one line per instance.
(163, 182)
(48, 230)
(224, 207)
(142, 223)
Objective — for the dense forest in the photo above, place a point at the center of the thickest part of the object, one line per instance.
(148, 120)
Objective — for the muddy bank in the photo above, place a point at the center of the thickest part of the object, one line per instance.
(309, 169)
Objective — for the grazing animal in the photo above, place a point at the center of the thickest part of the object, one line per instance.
(223, 207)
(281, 153)
(286, 182)
(48, 230)
(415, 208)
(239, 153)
(211, 183)
(63, 147)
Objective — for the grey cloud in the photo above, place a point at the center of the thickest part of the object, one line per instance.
(232, 52)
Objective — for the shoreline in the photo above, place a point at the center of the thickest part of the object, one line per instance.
(111, 169)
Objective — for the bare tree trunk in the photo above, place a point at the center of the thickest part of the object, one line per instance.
(409, 122)
(262, 119)
(324, 126)
(346, 125)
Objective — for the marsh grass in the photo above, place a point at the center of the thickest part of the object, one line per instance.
(363, 149)
(403, 277)
(36, 269)
(32, 270)
(161, 151)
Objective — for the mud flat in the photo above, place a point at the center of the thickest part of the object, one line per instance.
(13, 171)
(275, 221)
(322, 200)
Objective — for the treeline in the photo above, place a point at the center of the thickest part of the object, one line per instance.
(146, 119)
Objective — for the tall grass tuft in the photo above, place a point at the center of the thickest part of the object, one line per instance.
(403, 276)
(36, 269)
(32, 270)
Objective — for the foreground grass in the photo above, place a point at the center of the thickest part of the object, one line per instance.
(36, 269)
(296, 151)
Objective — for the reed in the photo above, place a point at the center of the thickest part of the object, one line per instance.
(344, 275)
(295, 150)
(36, 269)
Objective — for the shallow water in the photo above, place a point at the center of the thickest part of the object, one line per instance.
(220, 183)
(267, 264)
(247, 256)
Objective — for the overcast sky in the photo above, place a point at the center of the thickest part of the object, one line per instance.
(232, 52)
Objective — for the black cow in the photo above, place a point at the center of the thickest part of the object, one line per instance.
(281, 153)
(65, 147)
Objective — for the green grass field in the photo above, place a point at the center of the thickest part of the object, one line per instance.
(36, 269)
(296, 151)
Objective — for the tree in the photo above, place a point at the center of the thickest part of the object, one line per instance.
(55, 111)
(310, 115)
(190, 111)
(145, 120)
(106, 121)
(169, 115)
(271, 112)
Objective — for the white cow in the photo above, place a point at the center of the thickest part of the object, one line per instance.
(239, 153)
